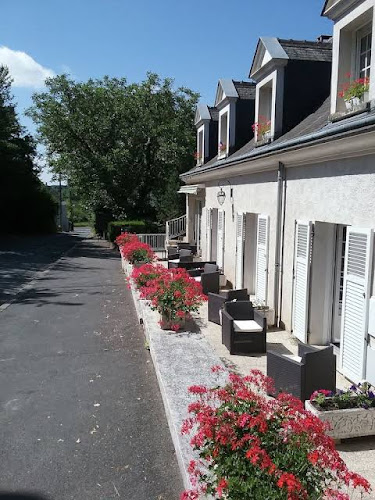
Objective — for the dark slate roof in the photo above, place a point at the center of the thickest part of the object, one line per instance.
(317, 122)
(245, 90)
(303, 50)
(214, 113)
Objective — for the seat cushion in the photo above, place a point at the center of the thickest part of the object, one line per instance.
(293, 357)
(246, 326)
(175, 261)
(197, 278)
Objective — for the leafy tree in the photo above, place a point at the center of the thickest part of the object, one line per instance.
(122, 146)
(24, 202)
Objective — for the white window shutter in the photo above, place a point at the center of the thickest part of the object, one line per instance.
(301, 285)
(261, 274)
(220, 238)
(240, 242)
(208, 233)
(354, 322)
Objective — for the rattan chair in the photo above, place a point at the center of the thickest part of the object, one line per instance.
(301, 375)
(208, 277)
(216, 302)
(243, 328)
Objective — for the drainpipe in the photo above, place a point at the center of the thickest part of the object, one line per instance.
(278, 244)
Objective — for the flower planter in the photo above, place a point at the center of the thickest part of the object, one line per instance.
(346, 423)
(352, 103)
(166, 323)
(140, 263)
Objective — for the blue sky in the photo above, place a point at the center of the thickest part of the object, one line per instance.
(196, 42)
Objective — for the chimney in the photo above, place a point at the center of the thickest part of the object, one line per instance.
(324, 39)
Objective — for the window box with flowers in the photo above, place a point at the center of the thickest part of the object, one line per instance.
(354, 92)
(350, 413)
(222, 149)
(262, 130)
(251, 446)
(198, 158)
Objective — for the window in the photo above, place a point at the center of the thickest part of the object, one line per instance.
(263, 126)
(200, 146)
(223, 138)
(364, 52)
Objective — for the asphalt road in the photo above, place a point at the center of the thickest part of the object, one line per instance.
(81, 416)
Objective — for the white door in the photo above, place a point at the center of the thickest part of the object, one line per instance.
(358, 256)
(261, 273)
(240, 243)
(302, 261)
(208, 233)
(220, 238)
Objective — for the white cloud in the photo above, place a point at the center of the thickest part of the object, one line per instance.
(24, 70)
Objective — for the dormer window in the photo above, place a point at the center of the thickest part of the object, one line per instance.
(351, 72)
(223, 134)
(199, 155)
(263, 125)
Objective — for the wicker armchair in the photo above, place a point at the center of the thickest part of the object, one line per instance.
(243, 328)
(216, 302)
(209, 277)
(184, 255)
(301, 375)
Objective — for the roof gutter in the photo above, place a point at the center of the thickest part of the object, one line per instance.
(315, 137)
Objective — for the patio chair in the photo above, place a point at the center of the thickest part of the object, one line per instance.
(184, 255)
(243, 328)
(301, 375)
(188, 246)
(216, 302)
(208, 277)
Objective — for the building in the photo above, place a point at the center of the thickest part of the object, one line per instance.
(288, 210)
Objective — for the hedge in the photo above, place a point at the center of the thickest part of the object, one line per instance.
(131, 226)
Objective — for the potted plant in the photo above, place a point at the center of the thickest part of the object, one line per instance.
(198, 157)
(175, 295)
(137, 253)
(265, 310)
(222, 148)
(262, 129)
(350, 413)
(251, 446)
(145, 273)
(354, 92)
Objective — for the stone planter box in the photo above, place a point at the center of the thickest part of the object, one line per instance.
(348, 423)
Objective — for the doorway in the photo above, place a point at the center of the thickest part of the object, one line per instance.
(338, 284)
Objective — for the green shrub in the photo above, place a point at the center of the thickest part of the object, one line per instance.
(115, 228)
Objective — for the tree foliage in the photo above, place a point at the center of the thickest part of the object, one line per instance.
(25, 204)
(122, 146)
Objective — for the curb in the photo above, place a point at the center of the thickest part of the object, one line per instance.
(180, 360)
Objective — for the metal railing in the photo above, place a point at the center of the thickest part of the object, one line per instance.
(156, 241)
(176, 227)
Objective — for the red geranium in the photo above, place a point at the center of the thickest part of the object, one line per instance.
(253, 447)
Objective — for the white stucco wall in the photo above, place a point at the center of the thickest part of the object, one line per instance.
(339, 192)
(251, 194)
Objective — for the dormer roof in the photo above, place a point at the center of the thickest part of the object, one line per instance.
(281, 51)
(225, 88)
(335, 8)
(214, 114)
(202, 113)
(245, 90)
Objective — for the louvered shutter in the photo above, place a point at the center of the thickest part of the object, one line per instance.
(208, 233)
(261, 276)
(220, 238)
(358, 258)
(301, 285)
(240, 241)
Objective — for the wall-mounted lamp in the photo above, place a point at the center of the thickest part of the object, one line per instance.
(221, 196)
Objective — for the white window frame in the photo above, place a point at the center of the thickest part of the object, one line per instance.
(359, 35)
(277, 79)
(342, 62)
(222, 113)
(201, 149)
